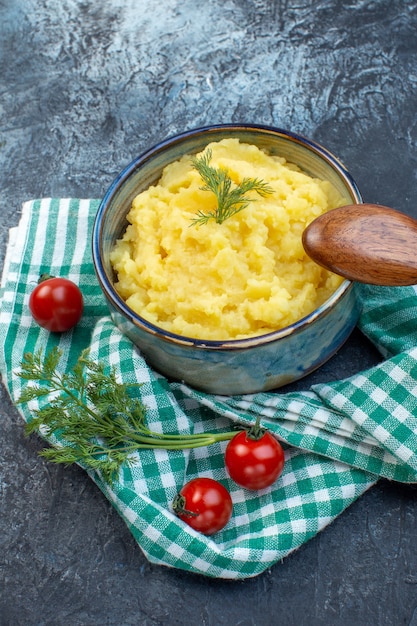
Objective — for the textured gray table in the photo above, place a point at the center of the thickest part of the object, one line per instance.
(85, 87)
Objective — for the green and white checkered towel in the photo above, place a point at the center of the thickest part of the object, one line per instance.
(340, 437)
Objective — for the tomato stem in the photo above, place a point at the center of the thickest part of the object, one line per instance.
(256, 431)
(178, 505)
(44, 277)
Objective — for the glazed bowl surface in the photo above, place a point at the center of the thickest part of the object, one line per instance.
(237, 366)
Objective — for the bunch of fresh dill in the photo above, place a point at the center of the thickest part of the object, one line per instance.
(98, 421)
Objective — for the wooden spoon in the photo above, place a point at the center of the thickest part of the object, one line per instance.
(367, 243)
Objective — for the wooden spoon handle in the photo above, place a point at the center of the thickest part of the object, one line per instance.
(366, 243)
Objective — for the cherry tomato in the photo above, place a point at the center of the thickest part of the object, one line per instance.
(204, 504)
(254, 458)
(56, 304)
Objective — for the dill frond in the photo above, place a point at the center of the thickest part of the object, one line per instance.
(231, 199)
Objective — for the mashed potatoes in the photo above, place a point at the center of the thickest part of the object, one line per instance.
(247, 276)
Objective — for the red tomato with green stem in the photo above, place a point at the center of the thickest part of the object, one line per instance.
(204, 504)
(56, 304)
(254, 458)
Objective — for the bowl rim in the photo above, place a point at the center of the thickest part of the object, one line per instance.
(227, 344)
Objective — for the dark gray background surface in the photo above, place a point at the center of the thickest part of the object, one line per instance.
(85, 87)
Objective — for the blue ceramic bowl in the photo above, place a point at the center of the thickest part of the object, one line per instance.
(235, 366)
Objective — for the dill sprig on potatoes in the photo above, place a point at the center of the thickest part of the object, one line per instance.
(231, 199)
